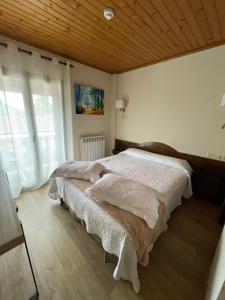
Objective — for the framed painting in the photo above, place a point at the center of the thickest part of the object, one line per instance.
(88, 100)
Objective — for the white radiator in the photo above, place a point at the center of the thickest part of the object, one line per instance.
(92, 147)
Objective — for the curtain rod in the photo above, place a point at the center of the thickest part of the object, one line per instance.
(30, 53)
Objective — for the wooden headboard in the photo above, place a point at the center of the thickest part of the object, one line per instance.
(208, 179)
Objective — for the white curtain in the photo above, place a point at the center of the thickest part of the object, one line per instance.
(32, 131)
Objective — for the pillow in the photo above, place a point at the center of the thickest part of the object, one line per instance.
(87, 170)
(129, 195)
(172, 162)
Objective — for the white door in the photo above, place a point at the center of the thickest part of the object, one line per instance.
(31, 129)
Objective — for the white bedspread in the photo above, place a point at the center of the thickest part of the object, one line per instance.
(115, 239)
(170, 184)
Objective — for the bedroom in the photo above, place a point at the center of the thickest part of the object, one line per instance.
(146, 90)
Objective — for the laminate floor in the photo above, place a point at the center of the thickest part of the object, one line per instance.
(68, 263)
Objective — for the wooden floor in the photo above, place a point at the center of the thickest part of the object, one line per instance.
(68, 263)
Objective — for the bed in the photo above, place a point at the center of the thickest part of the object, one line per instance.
(123, 234)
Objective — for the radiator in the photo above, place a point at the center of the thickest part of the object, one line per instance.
(92, 147)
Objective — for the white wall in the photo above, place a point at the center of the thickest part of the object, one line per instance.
(176, 102)
(88, 125)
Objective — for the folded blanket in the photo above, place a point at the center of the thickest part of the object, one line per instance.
(129, 195)
(87, 170)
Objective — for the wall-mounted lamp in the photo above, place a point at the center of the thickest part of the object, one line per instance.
(121, 104)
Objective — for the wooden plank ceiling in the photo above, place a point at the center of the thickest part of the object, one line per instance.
(142, 32)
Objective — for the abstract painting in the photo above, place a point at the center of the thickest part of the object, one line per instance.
(89, 100)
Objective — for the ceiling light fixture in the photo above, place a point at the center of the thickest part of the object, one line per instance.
(108, 13)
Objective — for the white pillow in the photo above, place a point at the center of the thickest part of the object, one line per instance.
(87, 170)
(172, 162)
(127, 194)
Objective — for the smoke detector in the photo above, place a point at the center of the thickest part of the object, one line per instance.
(108, 13)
